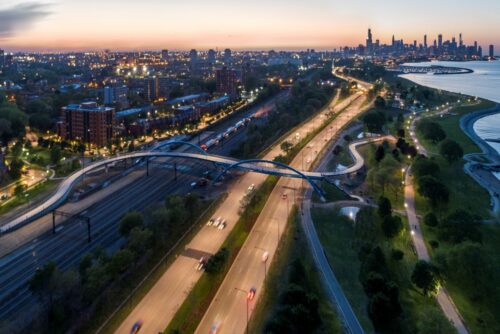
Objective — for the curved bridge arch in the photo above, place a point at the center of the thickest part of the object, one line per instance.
(169, 143)
(302, 175)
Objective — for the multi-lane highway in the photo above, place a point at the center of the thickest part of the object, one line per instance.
(158, 307)
(32, 245)
(228, 308)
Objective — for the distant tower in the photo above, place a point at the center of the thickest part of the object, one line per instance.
(369, 42)
(425, 41)
(227, 56)
(460, 41)
(492, 51)
(440, 41)
(211, 56)
(164, 54)
(193, 59)
(393, 40)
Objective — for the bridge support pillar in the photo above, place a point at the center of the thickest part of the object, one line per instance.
(53, 222)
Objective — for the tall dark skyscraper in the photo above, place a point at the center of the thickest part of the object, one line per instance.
(491, 52)
(440, 41)
(425, 41)
(2, 58)
(227, 56)
(211, 56)
(164, 54)
(460, 41)
(369, 42)
(193, 59)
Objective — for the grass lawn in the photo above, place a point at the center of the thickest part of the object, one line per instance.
(292, 248)
(332, 193)
(343, 158)
(338, 238)
(451, 125)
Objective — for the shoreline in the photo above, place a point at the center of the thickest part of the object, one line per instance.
(477, 170)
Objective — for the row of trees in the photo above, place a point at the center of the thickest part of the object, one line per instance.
(306, 98)
(100, 275)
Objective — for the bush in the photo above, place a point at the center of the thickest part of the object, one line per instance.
(216, 262)
(434, 244)
(397, 254)
(431, 220)
(384, 207)
(129, 221)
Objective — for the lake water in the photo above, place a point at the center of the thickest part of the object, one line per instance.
(484, 82)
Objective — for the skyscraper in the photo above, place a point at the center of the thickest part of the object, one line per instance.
(425, 41)
(164, 54)
(2, 58)
(211, 57)
(369, 42)
(460, 41)
(440, 41)
(193, 59)
(227, 56)
(491, 52)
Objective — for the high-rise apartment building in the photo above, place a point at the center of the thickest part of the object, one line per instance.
(226, 81)
(491, 52)
(88, 123)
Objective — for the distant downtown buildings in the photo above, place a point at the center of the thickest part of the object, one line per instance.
(439, 48)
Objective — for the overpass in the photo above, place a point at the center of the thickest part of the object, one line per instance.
(253, 165)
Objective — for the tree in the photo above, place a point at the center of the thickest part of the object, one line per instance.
(397, 254)
(129, 221)
(139, 240)
(19, 189)
(468, 262)
(41, 283)
(451, 150)
(431, 131)
(424, 167)
(379, 153)
(459, 226)
(392, 226)
(431, 220)
(15, 167)
(374, 121)
(55, 154)
(380, 102)
(433, 321)
(424, 277)
(384, 207)
(119, 262)
(432, 189)
(286, 146)
(216, 261)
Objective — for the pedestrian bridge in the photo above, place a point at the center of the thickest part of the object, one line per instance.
(225, 163)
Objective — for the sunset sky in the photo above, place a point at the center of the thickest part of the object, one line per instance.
(258, 24)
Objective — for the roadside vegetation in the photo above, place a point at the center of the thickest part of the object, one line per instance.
(82, 298)
(294, 300)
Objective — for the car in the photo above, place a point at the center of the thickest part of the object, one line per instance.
(214, 328)
(201, 263)
(193, 185)
(251, 293)
(222, 225)
(136, 327)
(251, 188)
(210, 222)
(217, 221)
(284, 196)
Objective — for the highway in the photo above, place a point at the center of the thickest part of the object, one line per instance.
(228, 309)
(25, 249)
(160, 304)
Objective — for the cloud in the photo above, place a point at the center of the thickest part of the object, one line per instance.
(21, 16)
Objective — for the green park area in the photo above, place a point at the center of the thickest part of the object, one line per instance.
(373, 260)
(457, 224)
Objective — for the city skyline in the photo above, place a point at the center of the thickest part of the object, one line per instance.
(323, 25)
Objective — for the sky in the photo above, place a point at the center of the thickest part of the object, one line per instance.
(75, 25)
